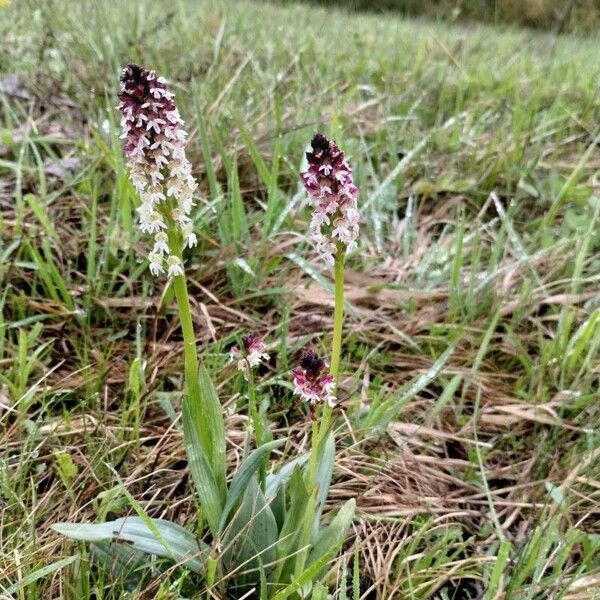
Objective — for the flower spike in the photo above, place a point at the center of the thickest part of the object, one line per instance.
(328, 180)
(158, 166)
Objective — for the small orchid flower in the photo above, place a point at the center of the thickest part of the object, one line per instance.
(252, 353)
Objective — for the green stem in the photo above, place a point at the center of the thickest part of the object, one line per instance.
(189, 337)
(336, 342)
(323, 415)
(257, 425)
(338, 315)
(314, 454)
(185, 311)
(312, 490)
(253, 409)
(183, 304)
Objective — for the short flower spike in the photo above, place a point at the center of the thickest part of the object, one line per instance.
(311, 381)
(252, 353)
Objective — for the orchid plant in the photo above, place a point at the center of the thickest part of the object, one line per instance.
(265, 534)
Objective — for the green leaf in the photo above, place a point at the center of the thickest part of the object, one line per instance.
(203, 475)
(291, 531)
(215, 189)
(324, 475)
(242, 263)
(259, 163)
(331, 538)
(239, 222)
(384, 413)
(498, 570)
(242, 477)
(307, 576)
(276, 480)
(121, 561)
(183, 548)
(250, 540)
(278, 504)
(213, 428)
(274, 197)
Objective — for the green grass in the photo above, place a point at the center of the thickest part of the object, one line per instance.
(471, 351)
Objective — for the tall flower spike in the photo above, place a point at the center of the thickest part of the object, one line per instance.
(333, 195)
(158, 166)
(311, 381)
(252, 353)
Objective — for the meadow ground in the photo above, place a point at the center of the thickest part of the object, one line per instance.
(469, 434)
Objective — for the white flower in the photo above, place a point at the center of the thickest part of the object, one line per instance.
(151, 222)
(161, 243)
(156, 264)
(175, 267)
(191, 240)
(180, 217)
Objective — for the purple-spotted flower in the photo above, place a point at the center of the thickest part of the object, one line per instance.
(312, 382)
(333, 195)
(251, 354)
(158, 167)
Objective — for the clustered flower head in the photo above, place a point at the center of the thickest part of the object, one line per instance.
(328, 180)
(252, 353)
(158, 166)
(312, 382)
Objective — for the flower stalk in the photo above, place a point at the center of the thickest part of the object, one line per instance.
(336, 342)
(334, 231)
(251, 353)
(155, 138)
(259, 428)
(253, 410)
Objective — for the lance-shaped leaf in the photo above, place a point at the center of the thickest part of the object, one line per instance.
(243, 475)
(323, 478)
(123, 562)
(331, 537)
(249, 541)
(213, 424)
(289, 543)
(176, 543)
(209, 495)
(276, 480)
